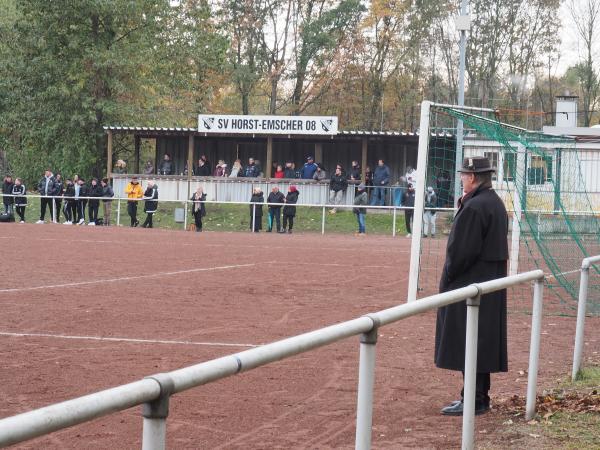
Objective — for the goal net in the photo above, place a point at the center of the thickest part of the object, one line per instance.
(543, 182)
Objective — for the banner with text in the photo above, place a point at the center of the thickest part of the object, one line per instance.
(316, 125)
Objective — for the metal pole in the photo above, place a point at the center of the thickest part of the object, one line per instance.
(468, 429)
(253, 217)
(323, 221)
(579, 333)
(118, 212)
(154, 434)
(185, 214)
(534, 348)
(155, 414)
(366, 380)
(417, 231)
(461, 99)
(53, 210)
(394, 223)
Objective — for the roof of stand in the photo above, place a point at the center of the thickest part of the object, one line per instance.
(187, 131)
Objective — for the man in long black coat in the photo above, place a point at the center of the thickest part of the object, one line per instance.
(477, 251)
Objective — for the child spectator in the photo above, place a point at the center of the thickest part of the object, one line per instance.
(289, 211)
(95, 192)
(70, 208)
(134, 192)
(20, 199)
(360, 199)
(256, 210)
(107, 194)
(279, 173)
(198, 208)
(275, 210)
(151, 205)
(7, 188)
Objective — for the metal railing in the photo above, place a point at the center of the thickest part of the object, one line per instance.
(154, 392)
(586, 263)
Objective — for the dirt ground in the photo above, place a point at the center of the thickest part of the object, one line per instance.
(169, 299)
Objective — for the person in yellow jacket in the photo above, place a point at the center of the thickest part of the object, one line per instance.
(134, 191)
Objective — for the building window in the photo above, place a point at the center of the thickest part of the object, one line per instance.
(539, 170)
(510, 166)
(493, 157)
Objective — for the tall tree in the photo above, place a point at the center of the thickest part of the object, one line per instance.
(586, 17)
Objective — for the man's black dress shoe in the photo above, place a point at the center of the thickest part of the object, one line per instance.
(456, 408)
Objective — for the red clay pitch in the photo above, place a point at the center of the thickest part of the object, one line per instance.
(208, 293)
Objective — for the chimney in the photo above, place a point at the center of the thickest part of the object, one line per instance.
(566, 111)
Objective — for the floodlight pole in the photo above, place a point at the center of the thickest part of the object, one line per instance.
(463, 24)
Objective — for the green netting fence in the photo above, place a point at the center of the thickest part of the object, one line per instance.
(540, 175)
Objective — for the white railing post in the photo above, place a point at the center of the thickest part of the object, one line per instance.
(323, 221)
(394, 223)
(118, 212)
(534, 348)
(253, 218)
(185, 214)
(468, 442)
(53, 209)
(155, 415)
(366, 380)
(581, 305)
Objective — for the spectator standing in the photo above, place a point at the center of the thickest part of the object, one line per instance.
(148, 168)
(46, 189)
(368, 179)
(107, 195)
(381, 178)
(70, 208)
(399, 191)
(289, 211)
(221, 169)
(237, 170)
(251, 170)
(308, 169)
(20, 200)
(206, 161)
(477, 251)
(95, 193)
(429, 214)
(82, 202)
(151, 204)
(411, 176)
(120, 168)
(166, 166)
(257, 200)
(198, 207)
(408, 201)
(59, 190)
(360, 201)
(355, 172)
(134, 192)
(203, 169)
(320, 174)
(289, 171)
(337, 188)
(279, 172)
(7, 199)
(442, 183)
(275, 210)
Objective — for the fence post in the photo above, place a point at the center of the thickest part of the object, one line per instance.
(579, 333)
(155, 414)
(468, 442)
(534, 348)
(118, 212)
(185, 214)
(366, 380)
(253, 217)
(323, 221)
(53, 210)
(394, 223)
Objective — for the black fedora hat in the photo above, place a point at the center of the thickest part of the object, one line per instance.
(476, 164)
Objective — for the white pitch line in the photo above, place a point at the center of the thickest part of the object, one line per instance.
(137, 277)
(114, 339)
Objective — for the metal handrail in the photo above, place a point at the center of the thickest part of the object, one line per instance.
(154, 392)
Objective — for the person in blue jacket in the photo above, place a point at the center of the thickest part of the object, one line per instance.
(308, 169)
(381, 179)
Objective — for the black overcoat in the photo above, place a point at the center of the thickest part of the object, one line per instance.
(477, 251)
